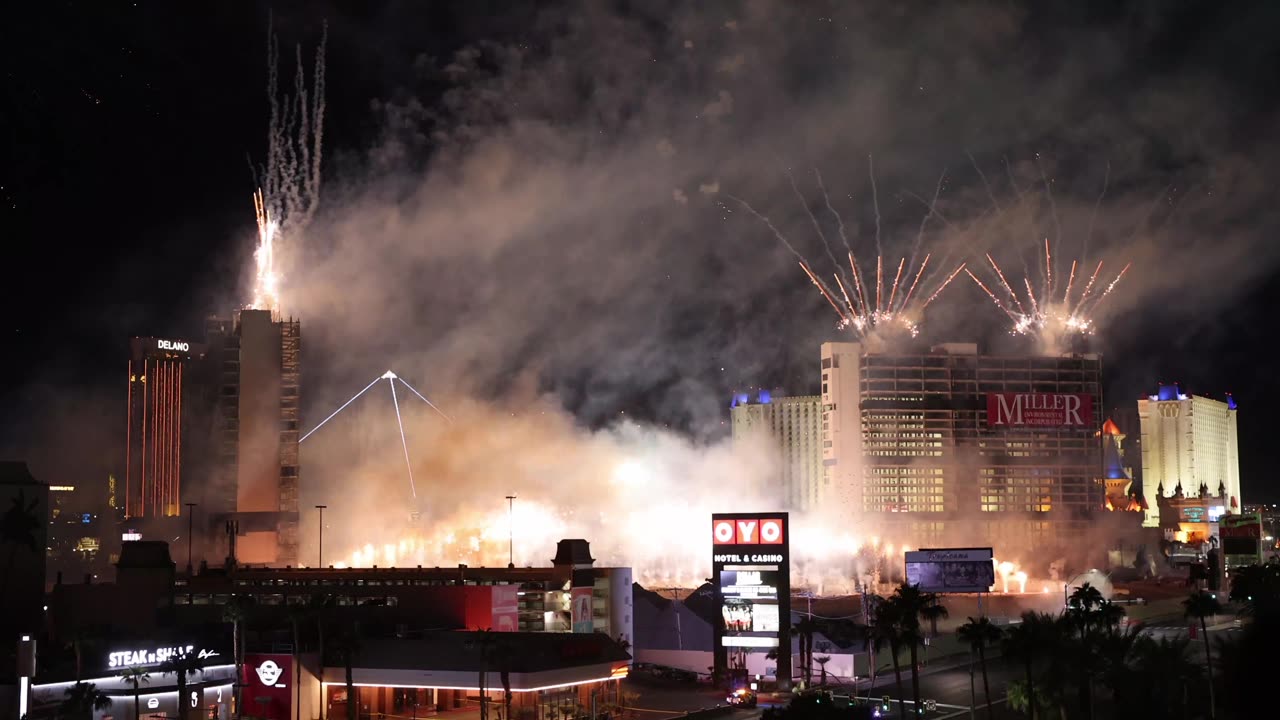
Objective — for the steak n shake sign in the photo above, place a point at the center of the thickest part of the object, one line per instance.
(1061, 410)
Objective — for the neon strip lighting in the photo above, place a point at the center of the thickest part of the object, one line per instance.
(403, 443)
(116, 678)
(24, 685)
(751, 642)
(460, 687)
(128, 444)
(424, 399)
(344, 407)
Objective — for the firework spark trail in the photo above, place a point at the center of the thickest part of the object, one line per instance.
(1031, 294)
(1110, 287)
(985, 184)
(991, 295)
(1088, 287)
(924, 221)
(942, 287)
(1005, 283)
(817, 227)
(825, 292)
(875, 198)
(857, 282)
(894, 291)
(1053, 208)
(1106, 178)
(839, 220)
(879, 280)
(266, 286)
(845, 292)
(906, 299)
(1066, 297)
(289, 177)
(776, 232)
(1048, 269)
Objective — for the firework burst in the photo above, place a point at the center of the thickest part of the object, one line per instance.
(289, 177)
(1052, 313)
(871, 308)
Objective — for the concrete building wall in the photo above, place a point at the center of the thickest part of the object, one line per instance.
(842, 440)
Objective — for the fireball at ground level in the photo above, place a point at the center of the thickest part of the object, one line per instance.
(671, 549)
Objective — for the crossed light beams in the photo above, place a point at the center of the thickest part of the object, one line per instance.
(391, 379)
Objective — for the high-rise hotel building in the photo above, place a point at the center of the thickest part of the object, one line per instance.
(254, 480)
(159, 442)
(1189, 444)
(952, 447)
(794, 424)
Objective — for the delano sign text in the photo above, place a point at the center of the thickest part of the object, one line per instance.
(1064, 410)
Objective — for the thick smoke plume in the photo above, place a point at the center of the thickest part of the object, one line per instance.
(543, 245)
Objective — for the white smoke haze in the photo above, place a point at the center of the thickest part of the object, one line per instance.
(516, 251)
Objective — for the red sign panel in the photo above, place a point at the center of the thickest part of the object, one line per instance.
(580, 610)
(506, 608)
(1062, 410)
(268, 683)
(748, 531)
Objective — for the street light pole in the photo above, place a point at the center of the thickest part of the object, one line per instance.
(320, 550)
(511, 531)
(191, 517)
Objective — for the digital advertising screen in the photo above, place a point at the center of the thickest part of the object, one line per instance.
(956, 571)
(751, 568)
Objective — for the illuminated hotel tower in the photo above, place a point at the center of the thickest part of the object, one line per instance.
(154, 465)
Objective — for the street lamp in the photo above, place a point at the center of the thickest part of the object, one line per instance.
(191, 517)
(511, 531)
(320, 550)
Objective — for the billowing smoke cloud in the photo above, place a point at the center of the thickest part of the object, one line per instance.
(544, 244)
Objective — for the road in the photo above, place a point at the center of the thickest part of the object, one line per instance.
(945, 681)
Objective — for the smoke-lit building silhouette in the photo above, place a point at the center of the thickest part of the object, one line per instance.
(951, 446)
(795, 424)
(253, 485)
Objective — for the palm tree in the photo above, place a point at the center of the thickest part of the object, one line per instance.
(483, 641)
(979, 634)
(136, 677)
(235, 613)
(805, 630)
(83, 700)
(822, 661)
(1202, 605)
(886, 626)
(915, 605)
(182, 666)
(20, 526)
(348, 646)
(319, 605)
(1024, 642)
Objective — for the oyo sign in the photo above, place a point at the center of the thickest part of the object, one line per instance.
(747, 531)
(178, 345)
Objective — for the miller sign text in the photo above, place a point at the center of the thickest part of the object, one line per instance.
(1068, 410)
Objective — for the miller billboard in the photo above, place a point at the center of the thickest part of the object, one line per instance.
(1060, 410)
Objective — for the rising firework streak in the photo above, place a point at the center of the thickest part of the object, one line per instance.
(1049, 316)
(900, 308)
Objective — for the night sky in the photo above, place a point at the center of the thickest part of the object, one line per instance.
(125, 189)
